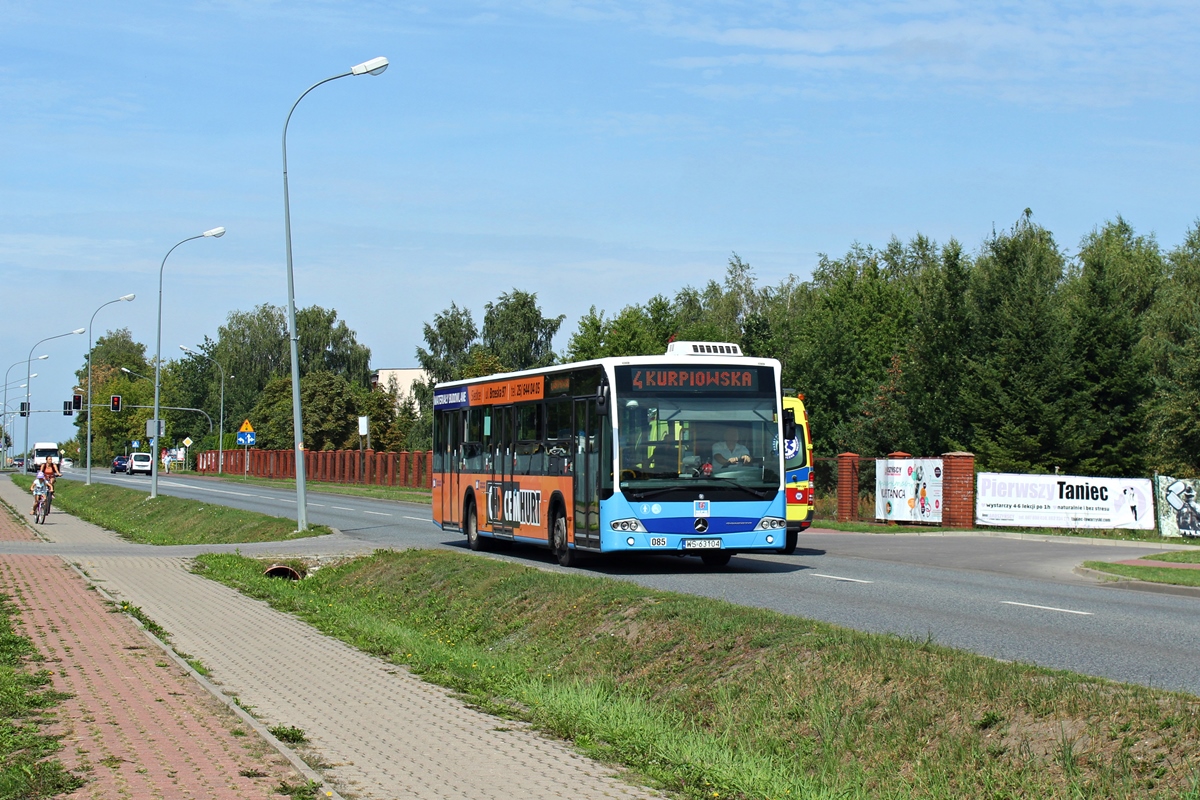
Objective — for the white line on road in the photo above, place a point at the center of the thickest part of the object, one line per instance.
(1046, 608)
(317, 505)
(839, 578)
(418, 519)
(342, 508)
(206, 489)
(376, 513)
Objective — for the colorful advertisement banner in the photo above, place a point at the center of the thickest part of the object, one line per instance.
(1178, 511)
(1063, 501)
(908, 489)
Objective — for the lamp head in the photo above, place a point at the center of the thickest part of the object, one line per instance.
(42, 358)
(215, 233)
(125, 370)
(127, 297)
(185, 348)
(372, 67)
(79, 330)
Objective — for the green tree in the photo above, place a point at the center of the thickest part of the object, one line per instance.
(1020, 376)
(329, 413)
(327, 344)
(1119, 276)
(112, 433)
(516, 332)
(1173, 347)
(449, 339)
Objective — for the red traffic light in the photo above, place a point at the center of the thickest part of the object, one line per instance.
(77, 402)
(114, 402)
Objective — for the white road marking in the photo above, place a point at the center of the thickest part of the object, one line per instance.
(1046, 608)
(376, 513)
(342, 508)
(317, 505)
(207, 489)
(839, 578)
(418, 519)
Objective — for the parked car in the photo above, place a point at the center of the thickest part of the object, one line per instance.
(18, 463)
(140, 462)
(119, 464)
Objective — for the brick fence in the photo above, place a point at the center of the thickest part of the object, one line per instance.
(331, 466)
(958, 488)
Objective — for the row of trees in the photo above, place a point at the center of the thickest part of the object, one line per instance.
(1018, 352)
(252, 349)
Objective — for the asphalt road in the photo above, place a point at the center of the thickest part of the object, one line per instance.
(1010, 598)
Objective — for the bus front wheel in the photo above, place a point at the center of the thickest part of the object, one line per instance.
(789, 545)
(558, 541)
(474, 540)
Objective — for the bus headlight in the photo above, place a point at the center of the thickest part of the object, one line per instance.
(629, 541)
(770, 524)
(628, 525)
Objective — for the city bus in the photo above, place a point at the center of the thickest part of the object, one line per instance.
(678, 453)
(797, 466)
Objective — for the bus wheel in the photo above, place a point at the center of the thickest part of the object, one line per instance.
(558, 541)
(471, 524)
(717, 559)
(789, 545)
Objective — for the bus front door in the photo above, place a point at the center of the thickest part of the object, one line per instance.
(502, 471)
(452, 466)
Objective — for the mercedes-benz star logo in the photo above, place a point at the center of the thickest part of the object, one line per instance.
(701, 525)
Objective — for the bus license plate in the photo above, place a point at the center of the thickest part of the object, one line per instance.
(701, 544)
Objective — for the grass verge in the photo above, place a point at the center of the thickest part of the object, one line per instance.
(28, 769)
(404, 495)
(714, 700)
(1169, 575)
(168, 520)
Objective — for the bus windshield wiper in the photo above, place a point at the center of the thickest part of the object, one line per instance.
(648, 493)
(731, 483)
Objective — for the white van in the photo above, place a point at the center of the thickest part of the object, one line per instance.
(43, 452)
(140, 462)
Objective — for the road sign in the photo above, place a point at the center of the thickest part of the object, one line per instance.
(187, 442)
(246, 427)
(136, 444)
(245, 438)
(162, 427)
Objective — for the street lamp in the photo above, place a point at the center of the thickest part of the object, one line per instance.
(373, 67)
(215, 233)
(128, 371)
(221, 427)
(28, 378)
(39, 358)
(123, 298)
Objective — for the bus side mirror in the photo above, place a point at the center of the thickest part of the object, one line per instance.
(789, 424)
(602, 401)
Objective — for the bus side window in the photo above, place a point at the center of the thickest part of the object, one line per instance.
(439, 436)
(473, 441)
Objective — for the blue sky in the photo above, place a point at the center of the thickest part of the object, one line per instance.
(591, 152)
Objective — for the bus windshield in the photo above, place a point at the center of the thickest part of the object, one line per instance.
(696, 442)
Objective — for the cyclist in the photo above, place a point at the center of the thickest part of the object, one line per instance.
(40, 489)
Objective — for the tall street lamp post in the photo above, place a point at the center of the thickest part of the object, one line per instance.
(123, 298)
(7, 429)
(215, 233)
(28, 379)
(373, 67)
(221, 425)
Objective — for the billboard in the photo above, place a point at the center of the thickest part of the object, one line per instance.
(1063, 501)
(1178, 511)
(908, 489)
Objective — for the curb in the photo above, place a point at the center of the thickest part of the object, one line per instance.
(304, 769)
(1111, 581)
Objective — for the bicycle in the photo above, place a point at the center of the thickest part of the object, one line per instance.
(41, 508)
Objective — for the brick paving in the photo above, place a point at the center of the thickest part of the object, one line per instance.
(137, 726)
(375, 730)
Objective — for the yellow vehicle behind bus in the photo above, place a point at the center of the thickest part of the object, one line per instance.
(797, 467)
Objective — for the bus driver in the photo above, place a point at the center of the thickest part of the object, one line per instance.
(730, 451)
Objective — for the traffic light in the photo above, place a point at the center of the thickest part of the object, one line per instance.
(77, 402)
(24, 409)
(67, 409)
(114, 402)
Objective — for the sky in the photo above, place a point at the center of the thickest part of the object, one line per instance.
(596, 153)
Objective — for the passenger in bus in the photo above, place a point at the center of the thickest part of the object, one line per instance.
(666, 454)
(730, 451)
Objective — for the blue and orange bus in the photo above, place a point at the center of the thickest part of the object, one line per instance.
(678, 453)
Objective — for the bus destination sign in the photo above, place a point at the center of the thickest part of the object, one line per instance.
(688, 379)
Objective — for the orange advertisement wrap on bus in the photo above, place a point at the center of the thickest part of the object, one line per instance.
(516, 504)
(504, 392)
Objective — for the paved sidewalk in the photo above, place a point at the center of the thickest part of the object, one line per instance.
(378, 731)
(137, 725)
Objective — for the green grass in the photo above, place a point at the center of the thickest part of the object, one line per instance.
(168, 520)
(402, 494)
(1169, 575)
(709, 699)
(28, 769)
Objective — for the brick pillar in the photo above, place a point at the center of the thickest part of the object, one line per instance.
(428, 463)
(847, 487)
(368, 475)
(391, 469)
(958, 490)
(402, 469)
